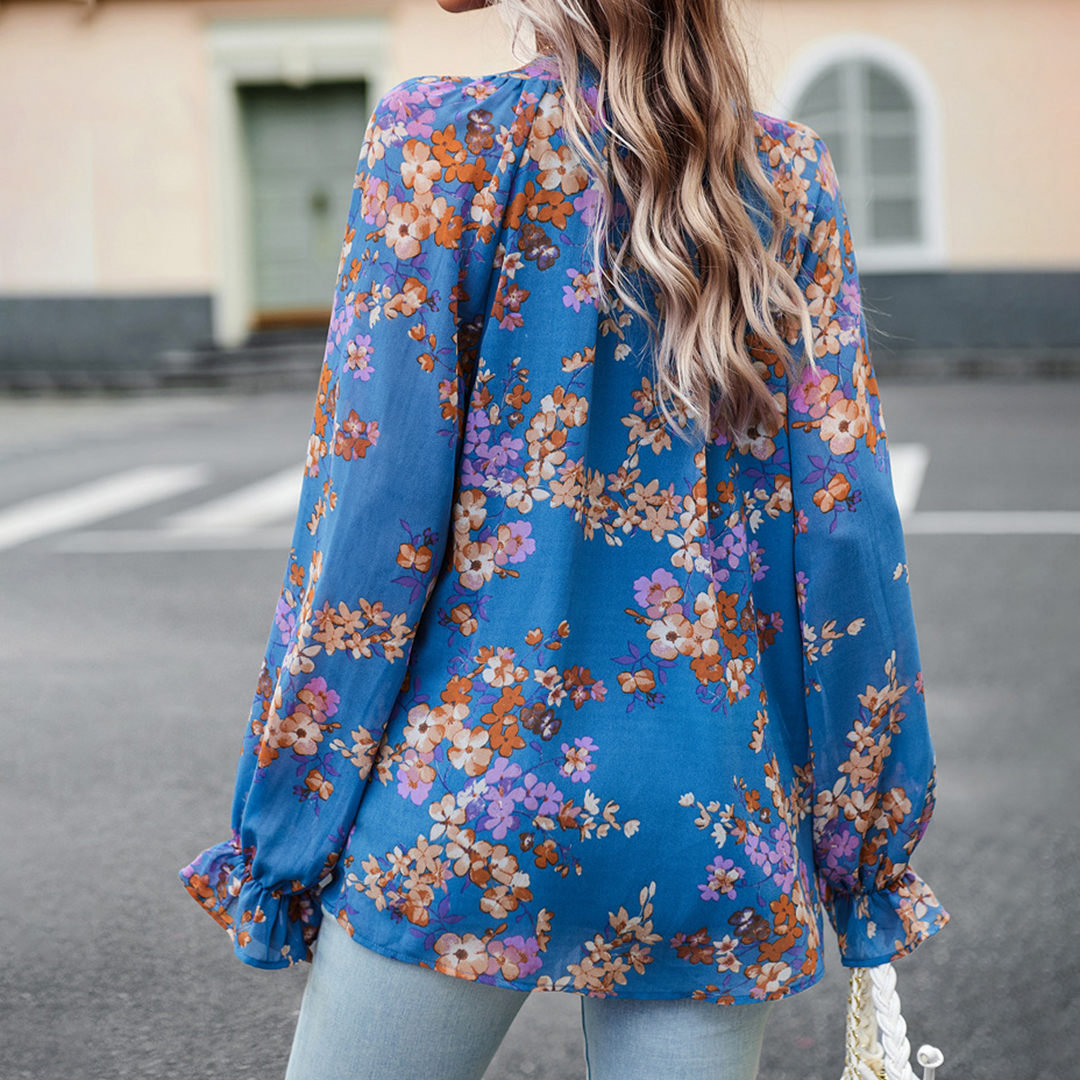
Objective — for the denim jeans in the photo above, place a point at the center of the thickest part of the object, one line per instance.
(365, 1016)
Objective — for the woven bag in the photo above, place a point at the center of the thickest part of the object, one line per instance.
(876, 1047)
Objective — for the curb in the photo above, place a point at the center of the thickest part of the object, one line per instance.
(295, 367)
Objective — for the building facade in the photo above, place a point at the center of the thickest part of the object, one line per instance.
(174, 174)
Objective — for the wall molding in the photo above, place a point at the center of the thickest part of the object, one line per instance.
(820, 55)
(297, 52)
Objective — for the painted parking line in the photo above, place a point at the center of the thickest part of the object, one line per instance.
(909, 462)
(993, 523)
(270, 500)
(130, 541)
(95, 501)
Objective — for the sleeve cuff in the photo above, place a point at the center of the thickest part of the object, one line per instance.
(270, 928)
(878, 927)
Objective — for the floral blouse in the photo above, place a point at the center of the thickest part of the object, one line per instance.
(554, 699)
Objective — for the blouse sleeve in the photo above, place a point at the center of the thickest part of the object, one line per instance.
(872, 759)
(374, 513)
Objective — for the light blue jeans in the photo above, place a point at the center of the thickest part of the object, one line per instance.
(365, 1016)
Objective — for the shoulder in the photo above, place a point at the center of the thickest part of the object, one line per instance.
(439, 157)
(482, 112)
(796, 159)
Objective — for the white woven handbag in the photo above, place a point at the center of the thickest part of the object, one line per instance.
(873, 1011)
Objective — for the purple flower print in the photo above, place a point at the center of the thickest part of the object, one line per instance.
(731, 547)
(415, 777)
(502, 799)
(578, 763)
(373, 210)
(477, 433)
(804, 395)
(580, 292)
(722, 877)
(783, 858)
(514, 956)
(284, 620)
(321, 701)
(471, 477)
(398, 101)
(500, 817)
(540, 797)
(760, 853)
(658, 593)
(514, 543)
(851, 300)
(339, 321)
(586, 204)
(840, 846)
(801, 582)
(358, 360)
(501, 774)
(757, 564)
(504, 452)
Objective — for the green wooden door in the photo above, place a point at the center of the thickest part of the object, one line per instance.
(301, 147)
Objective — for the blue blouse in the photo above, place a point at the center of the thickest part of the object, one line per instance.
(554, 700)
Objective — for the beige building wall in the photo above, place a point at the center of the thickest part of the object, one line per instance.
(103, 173)
(107, 162)
(107, 177)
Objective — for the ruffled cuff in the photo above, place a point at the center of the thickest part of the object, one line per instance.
(878, 927)
(270, 928)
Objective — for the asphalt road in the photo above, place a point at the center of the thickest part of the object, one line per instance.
(126, 677)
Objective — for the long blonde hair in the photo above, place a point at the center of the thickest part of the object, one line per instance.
(673, 93)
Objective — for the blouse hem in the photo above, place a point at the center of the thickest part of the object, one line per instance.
(382, 949)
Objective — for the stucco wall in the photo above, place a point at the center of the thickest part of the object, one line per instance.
(106, 173)
(103, 175)
(106, 178)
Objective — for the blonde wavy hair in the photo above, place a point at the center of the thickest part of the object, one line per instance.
(674, 97)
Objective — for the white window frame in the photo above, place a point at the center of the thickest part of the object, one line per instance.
(297, 52)
(930, 252)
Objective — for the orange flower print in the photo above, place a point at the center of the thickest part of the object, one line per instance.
(642, 679)
(769, 979)
(494, 497)
(408, 226)
(837, 490)
(462, 615)
(409, 300)
(475, 563)
(418, 171)
(672, 636)
(843, 425)
(425, 729)
(562, 169)
(411, 557)
(465, 957)
(298, 732)
(355, 437)
(318, 785)
(470, 751)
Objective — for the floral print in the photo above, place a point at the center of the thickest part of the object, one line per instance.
(555, 699)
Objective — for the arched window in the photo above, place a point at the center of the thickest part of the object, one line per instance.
(877, 113)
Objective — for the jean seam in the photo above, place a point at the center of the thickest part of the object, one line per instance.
(585, 1034)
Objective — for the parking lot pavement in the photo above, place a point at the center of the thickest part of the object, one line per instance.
(143, 541)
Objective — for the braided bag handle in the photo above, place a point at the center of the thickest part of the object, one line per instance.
(876, 1045)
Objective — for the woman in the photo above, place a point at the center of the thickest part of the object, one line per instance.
(594, 666)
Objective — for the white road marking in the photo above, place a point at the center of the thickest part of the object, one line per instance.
(95, 501)
(259, 517)
(909, 461)
(129, 541)
(270, 500)
(993, 523)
